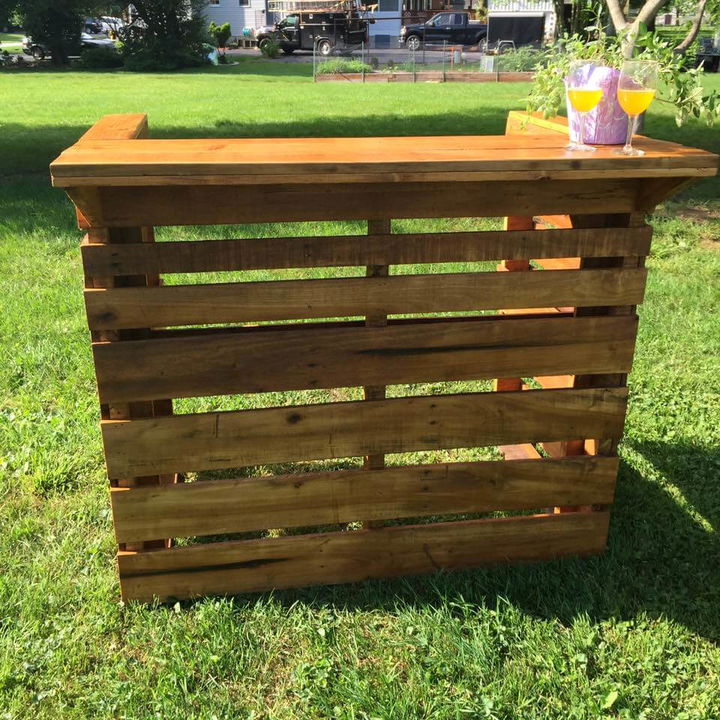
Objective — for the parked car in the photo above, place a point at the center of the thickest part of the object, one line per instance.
(452, 27)
(324, 31)
(40, 51)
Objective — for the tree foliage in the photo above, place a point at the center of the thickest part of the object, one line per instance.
(167, 35)
(220, 34)
(57, 24)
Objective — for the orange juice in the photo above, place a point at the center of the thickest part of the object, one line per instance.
(634, 102)
(584, 99)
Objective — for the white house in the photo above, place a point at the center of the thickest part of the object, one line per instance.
(239, 13)
(532, 13)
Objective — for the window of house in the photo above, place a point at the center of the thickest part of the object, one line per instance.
(388, 6)
(243, 2)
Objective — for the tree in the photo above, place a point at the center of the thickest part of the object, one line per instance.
(57, 24)
(700, 9)
(646, 16)
(168, 36)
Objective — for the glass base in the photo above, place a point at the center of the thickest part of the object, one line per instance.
(627, 150)
(579, 147)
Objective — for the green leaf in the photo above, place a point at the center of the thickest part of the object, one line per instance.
(610, 700)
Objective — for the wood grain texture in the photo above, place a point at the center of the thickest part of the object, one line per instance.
(129, 126)
(353, 429)
(355, 250)
(226, 203)
(329, 558)
(347, 297)
(308, 358)
(324, 498)
(197, 161)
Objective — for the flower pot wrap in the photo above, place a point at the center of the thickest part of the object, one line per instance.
(607, 123)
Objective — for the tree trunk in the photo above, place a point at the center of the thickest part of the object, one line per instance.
(694, 29)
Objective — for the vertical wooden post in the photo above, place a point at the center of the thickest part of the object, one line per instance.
(513, 223)
(123, 127)
(376, 392)
(127, 411)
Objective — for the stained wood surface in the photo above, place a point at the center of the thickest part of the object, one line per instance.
(320, 498)
(354, 429)
(335, 200)
(130, 126)
(328, 558)
(351, 250)
(405, 159)
(308, 358)
(348, 297)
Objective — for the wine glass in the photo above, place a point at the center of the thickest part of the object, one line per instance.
(636, 90)
(584, 94)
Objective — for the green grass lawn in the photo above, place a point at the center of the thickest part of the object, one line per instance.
(632, 634)
(11, 42)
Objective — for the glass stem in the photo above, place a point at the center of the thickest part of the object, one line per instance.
(631, 127)
(581, 139)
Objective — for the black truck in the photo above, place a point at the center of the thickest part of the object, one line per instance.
(324, 31)
(452, 27)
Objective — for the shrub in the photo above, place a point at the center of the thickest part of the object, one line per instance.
(330, 67)
(220, 34)
(100, 58)
(168, 35)
(270, 48)
(521, 60)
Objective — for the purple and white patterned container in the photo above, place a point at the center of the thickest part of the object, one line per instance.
(607, 124)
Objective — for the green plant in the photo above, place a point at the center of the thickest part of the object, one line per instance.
(99, 58)
(521, 60)
(330, 67)
(220, 34)
(270, 48)
(169, 36)
(680, 85)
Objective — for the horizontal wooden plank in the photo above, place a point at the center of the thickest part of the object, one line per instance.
(310, 358)
(209, 204)
(328, 558)
(327, 324)
(345, 297)
(351, 429)
(349, 250)
(197, 160)
(323, 498)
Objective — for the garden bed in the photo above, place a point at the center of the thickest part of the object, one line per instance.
(426, 76)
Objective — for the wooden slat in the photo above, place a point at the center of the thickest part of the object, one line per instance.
(210, 205)
(130, 126)
(344, 357)
(373, 249)
(254, 565)
(345, 297)
(353, 429)
(323, 498)
(198, 161)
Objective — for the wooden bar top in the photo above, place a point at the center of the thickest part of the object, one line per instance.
(130, 161)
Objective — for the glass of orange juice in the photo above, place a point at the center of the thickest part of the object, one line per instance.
(636, 90)
(583, 94)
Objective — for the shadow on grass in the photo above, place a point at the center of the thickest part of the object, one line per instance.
(660, 560)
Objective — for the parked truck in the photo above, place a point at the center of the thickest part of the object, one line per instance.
(454, 28)
(324, 31)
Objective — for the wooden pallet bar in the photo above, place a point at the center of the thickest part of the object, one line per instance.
(555, 327)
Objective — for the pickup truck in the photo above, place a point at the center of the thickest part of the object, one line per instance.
(452, 27)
